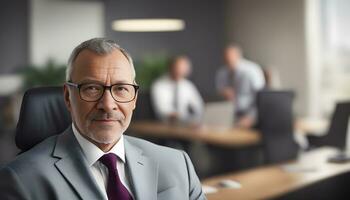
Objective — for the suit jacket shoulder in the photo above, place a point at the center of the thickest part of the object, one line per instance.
(175, 176)
(53, 169)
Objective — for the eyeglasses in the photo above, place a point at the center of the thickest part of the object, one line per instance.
(92, 92)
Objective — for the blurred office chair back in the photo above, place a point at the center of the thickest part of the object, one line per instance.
(337, 132)
(43, 114)
(275, 121)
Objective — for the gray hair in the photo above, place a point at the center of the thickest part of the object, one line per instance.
(100, 46)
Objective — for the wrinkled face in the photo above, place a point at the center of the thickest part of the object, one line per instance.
(232, 57)
(181, 68)
(104, 121)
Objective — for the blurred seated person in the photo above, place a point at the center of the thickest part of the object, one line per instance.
(175, 98)
(238, 81)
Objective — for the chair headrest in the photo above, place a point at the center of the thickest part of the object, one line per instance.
(275, 110)
(43, 114)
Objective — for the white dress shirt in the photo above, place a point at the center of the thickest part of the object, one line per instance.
(100, 172)
(162, 94)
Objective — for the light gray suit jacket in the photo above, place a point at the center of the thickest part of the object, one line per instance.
(57, 169)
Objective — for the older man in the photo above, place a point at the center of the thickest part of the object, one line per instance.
(92, 159)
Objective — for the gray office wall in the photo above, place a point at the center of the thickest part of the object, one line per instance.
(202, 40)
(272, 33)
(13, 35)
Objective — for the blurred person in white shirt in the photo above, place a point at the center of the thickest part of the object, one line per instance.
(174, 97)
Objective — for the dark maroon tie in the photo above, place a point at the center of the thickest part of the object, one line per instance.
(115, 189)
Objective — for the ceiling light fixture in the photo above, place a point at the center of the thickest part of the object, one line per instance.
(148, 25)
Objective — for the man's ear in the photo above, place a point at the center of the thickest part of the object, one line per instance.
(66, 96)
(135, 100)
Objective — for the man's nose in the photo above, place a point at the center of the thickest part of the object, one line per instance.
(107, 102)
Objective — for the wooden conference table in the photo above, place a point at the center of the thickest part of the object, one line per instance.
(276, 180)
(233, 137)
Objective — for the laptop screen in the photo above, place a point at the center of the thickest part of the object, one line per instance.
(218, 115)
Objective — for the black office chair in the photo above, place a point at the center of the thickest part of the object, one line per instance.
(337, 132)
(43, 114)
(275, 122)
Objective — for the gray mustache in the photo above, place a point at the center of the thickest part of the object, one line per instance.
(107, 116)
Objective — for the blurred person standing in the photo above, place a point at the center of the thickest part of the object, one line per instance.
(175, 98)
(238, 81)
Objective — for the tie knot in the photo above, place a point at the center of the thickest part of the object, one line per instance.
(109, 160)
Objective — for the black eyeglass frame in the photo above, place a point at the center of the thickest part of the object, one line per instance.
(136, 87)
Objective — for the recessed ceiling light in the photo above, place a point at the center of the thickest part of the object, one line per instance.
(148, 25)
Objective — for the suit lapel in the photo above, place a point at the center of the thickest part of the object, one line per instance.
(73, 166)
(143, 172)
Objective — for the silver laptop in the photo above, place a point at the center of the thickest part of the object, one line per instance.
(218, 115)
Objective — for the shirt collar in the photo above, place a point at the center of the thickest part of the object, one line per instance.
(168, 77)
(93, 153)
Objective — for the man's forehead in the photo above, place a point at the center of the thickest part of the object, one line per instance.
(91, 64)
(87, 56)
(113, 71)
(109, 69)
